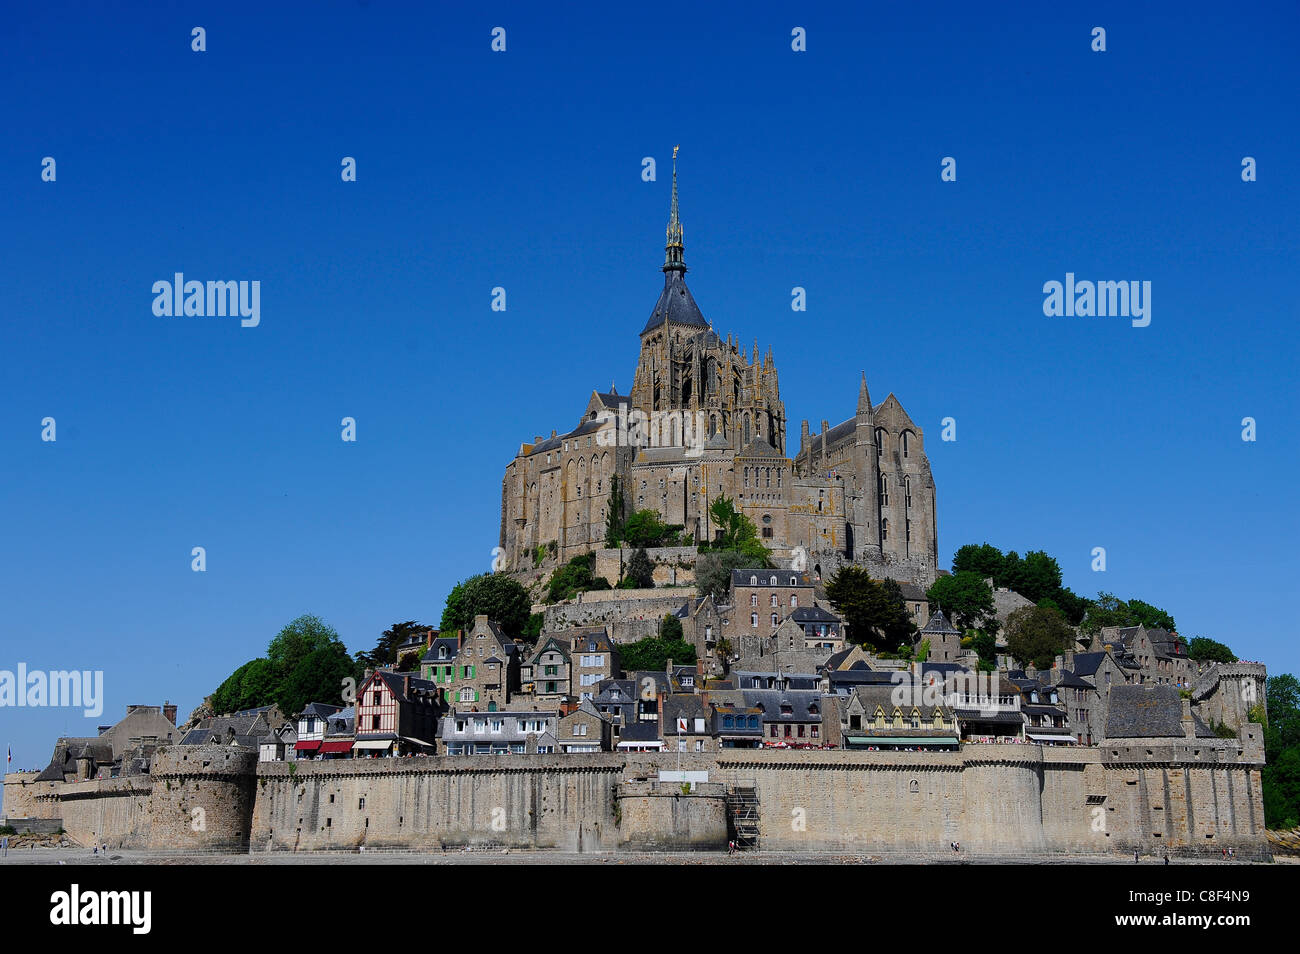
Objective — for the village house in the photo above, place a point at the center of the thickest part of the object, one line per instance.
(584, 730)
(546, 674)
(499, 732)
(872, 718)
(397, 714)
(486, 668)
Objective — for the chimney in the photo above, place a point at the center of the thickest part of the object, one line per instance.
(1189, 724)
(428, 642)
(169, 712)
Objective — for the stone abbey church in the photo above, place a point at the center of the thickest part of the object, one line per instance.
(705, 419)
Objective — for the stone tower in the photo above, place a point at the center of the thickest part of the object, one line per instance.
(684, 366)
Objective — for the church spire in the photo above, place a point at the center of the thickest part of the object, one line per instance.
(674, 251)
(864, 398)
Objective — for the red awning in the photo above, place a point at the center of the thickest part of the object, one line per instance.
(308, 745)
(345, 746)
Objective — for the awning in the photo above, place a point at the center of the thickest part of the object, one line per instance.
(1067, 739)
(307, 745)
(373, 744)
(899, 740)
(332, 747)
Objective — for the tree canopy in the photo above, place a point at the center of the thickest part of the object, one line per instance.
(1036, 576)
(1037, 635)
(501, 598)
(645, 529)
(966, 598)
(1281, 775)
(1203, 649)
(385, 651)
(575, 577)
(735, 531)
(652, 653)
(305, 662)
(875, 611)
(1109, 610)
(713, 571)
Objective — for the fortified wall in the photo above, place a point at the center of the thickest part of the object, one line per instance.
(1184, 795)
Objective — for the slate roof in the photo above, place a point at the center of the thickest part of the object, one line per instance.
(771, 700)
(647, 731)
(443, 642)
(1144, 712)
(813, 614)
(675, 304)
(741, 577)
(318, 710)
(797, 680)
(681, 705)
(759, 447)
(398, 684)
(1072, 681)
(593, 639)
(939, 624)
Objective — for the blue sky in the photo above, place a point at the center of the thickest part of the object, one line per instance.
(522, 170)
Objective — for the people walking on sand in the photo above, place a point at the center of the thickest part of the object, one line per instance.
(1135, 856)
(4, 845)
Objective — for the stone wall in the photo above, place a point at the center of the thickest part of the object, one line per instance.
(1199, 795)
(655, 816)
(530, 801)
(674, 566)
(629, 615)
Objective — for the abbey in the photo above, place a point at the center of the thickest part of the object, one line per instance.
(857, 492)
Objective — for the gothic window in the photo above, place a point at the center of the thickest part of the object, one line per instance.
(906, 442)
(746, 429)
(753, 599)
(753, 620)
(907, 492)
(768, 477)
(884, 530)
(884, 490)
(713, 424)
(880, 442)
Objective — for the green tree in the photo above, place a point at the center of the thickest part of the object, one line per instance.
(713, 571)
(1203, 649)
(645, 529)
(1037, 634)
(317, 677)
(614, 515)
(735, 531)
(385, 651)
(249, 686)
(986, 648)
(671, 628)
(297, 640)
(984, 559)
(1035, 577)
(1109, 610)
(502, 599)
(574, 577)
(1152, 617)
(875, 612)
(640, 569)
(652, 653)
(965, 597)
